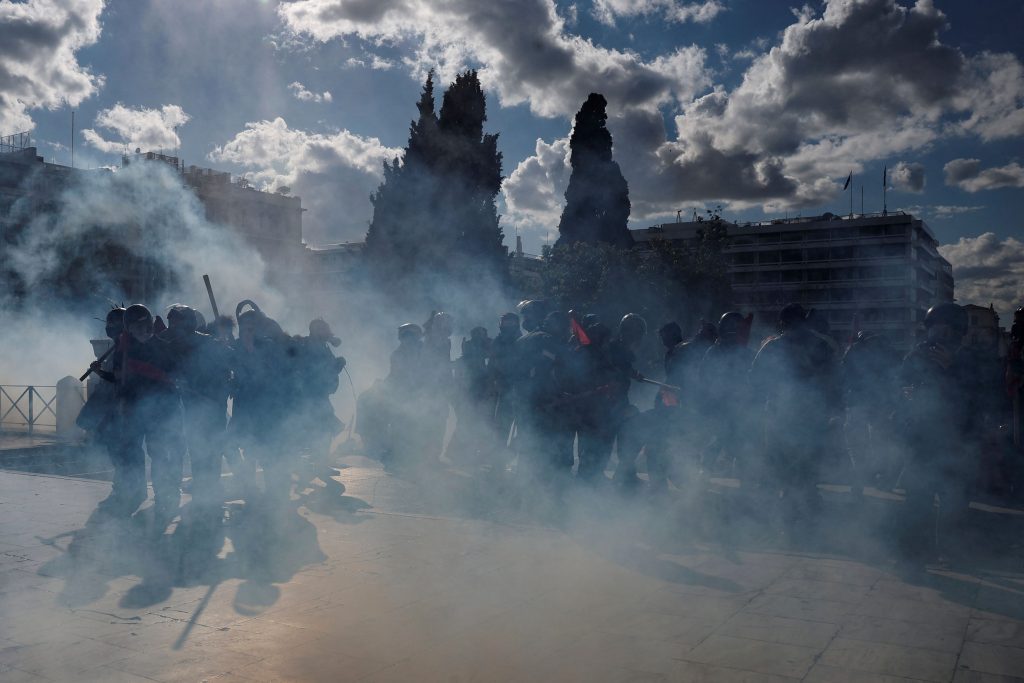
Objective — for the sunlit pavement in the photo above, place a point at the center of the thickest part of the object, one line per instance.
(410, 581)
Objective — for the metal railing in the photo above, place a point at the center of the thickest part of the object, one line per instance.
(28, 408)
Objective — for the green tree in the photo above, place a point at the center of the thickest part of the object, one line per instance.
(597, 198)
(660, 280)
(435, 223)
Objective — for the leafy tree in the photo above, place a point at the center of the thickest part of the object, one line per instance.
(435, 224)
(660, 280)
(597, 198)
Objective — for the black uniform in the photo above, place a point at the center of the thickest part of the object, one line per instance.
(546, 433)
(263, 395)
(502, 364)
(870, 380)
(940, 459)
(473, 403)
(203, 374)
(795, 374)
(724, 375)
(152, 415)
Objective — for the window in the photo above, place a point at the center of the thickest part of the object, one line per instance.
(744, 278)
(771, 276)
(792, 276)
(743, 258)
(845, 233)
(791, 255)
(819, 254)
(768, 257)
(841, 253)
(817, 275)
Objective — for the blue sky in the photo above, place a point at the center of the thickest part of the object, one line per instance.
(762, 106)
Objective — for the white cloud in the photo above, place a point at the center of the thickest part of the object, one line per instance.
(38, 64)
(301, 93)
(375, 62)
(968, 175)
(607, 11)
(149, 130)
(859, 81)
(334, 173)
(907, 177)
(941, 211)
(948, 211)
(988, 270)
(535, 191)
(523, 50)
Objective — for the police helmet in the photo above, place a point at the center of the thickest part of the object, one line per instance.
(319, 329)
(730, 324)
(441, 324)
(532, 311)
(137, 313)
(670, 333)
(180, 315)
(632, 327)
(947, 314)
(707, 332)
(409, 331)
(792, 315)
(509, 321)
(599, 333)
(114, 322)
(556, 323)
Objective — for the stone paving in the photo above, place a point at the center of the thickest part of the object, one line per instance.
(407, 581)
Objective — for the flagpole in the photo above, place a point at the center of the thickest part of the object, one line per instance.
(851, 196)
(885, 183)
(862, 199)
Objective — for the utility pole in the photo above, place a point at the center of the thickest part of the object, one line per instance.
(72, 138)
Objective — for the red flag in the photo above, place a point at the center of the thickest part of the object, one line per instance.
(580, 333)
(668, 398)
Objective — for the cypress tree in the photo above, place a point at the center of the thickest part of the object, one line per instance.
(597, 198)
(435, 213)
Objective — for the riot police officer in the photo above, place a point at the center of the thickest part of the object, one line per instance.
(794, 375)
(939, 460)
(151, 408)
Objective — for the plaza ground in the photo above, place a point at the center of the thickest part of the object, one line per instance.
(450, 578)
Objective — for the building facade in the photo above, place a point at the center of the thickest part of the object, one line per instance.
(983, 331)
(876, 272)
(269, 222)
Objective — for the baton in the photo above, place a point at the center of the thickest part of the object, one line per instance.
(98, 360)
(644, 380)
(213, 301)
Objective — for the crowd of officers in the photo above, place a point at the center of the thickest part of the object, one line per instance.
(547, 398)
(164, 392)
(551, 392)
